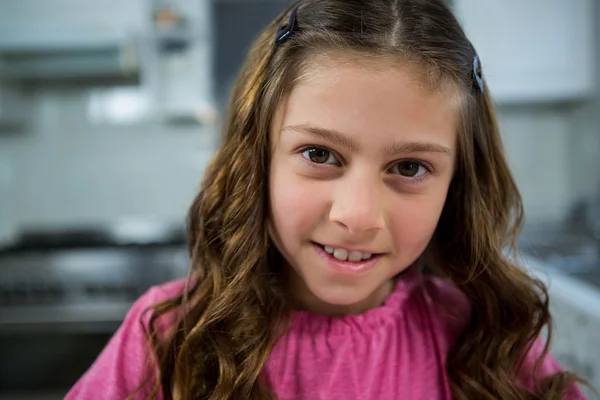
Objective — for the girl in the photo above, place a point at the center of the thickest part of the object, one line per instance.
(348, 240)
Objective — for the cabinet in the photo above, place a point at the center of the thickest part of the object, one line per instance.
(534, 50)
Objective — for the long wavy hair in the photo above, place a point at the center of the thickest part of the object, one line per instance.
(234, 308)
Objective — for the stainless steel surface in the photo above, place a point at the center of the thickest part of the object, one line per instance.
(119, 233)
(64, 294)
(118, 62)
(81, 285)
(12, 107)
(574, 252)
(584, 218)
(68, 41)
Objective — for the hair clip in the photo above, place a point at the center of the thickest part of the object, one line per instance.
(477, 73)
(283, 32)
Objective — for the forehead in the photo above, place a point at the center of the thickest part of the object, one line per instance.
(374, 100)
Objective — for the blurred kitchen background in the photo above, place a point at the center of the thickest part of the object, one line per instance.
(110, 110)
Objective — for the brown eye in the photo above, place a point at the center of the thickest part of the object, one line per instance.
(409, 169)
(319, 155)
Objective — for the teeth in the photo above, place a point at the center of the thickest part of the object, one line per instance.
(340, 254)
(355, 256)
(345, 255)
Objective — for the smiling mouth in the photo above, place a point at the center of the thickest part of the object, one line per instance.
(342, 254)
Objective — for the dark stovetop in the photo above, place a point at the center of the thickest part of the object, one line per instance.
(95, 237)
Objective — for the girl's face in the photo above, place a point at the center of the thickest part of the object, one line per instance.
(361, 160)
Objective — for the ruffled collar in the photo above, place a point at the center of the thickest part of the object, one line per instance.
(306, 322)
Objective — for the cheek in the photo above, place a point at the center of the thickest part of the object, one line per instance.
(296, 205)
(413, 224)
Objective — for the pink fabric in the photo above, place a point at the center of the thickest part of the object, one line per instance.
(396, 351)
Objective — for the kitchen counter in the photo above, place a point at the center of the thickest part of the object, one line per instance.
(565, 251)
(575, 308)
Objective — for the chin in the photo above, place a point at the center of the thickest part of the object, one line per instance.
(339, 295)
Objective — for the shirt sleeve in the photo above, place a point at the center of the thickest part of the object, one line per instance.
(124, 364)
(548, 367)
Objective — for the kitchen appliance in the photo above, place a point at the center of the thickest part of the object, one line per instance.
(149, 62)
(63, 295)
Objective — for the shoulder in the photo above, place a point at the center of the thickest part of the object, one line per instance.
(137, 319)
(451, 313)
(124, 363)
(548, 366)
(446, 294)
(449, 307)
(163, 292)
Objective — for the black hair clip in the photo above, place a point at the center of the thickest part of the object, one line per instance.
(283, 32)
(477, 73)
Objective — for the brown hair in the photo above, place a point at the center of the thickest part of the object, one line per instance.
(233, 310)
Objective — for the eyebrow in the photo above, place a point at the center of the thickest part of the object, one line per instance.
(350, 144)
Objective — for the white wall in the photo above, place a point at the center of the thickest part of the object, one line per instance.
(553, 152)
(67, 171)
(554, 149)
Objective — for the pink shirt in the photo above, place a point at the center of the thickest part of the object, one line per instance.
(395, 351)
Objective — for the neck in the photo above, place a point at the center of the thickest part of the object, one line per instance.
(303, 299)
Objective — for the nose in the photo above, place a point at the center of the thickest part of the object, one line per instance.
(357, 205)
